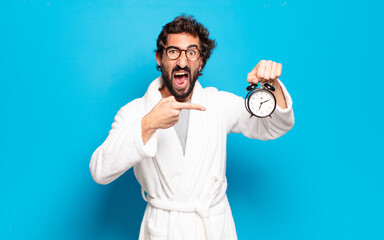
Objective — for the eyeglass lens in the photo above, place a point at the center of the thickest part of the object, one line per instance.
(192, 54)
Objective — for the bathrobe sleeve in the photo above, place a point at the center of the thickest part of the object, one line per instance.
(237, 119)
(124, 146)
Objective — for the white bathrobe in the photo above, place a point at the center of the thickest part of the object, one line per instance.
(185, 193)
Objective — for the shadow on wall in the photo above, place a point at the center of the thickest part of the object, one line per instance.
(244, 180)
(121, 212)
(120, 206)
(252, 183)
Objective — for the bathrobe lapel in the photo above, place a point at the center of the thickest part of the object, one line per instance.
(183, 175)
(194, 169)
(169, 154)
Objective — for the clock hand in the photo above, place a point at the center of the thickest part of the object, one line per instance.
(263, 103)
(266, 101)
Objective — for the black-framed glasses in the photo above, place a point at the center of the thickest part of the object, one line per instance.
(192, 53)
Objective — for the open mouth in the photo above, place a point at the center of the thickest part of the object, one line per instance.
(181, 79)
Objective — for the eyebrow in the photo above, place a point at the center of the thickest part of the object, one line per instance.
(189, 46)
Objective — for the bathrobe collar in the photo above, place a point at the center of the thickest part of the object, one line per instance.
(176, 168)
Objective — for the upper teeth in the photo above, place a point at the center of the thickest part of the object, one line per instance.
(179, 74)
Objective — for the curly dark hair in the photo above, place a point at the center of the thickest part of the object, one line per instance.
(186, 24)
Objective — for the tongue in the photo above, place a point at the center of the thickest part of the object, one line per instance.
(180, 80)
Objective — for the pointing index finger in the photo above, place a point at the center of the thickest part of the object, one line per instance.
(181, 105)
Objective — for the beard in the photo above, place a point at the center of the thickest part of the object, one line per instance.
(168, 81)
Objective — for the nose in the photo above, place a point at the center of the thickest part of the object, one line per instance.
(182, 61)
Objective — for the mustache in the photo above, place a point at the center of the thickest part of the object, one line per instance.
(177, 68)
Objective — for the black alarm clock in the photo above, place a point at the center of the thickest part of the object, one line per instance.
(260, 102)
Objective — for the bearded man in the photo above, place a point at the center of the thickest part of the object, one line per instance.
(174, 137)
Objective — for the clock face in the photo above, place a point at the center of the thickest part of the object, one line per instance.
(262, 103)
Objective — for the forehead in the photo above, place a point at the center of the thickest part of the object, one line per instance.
(182, 40)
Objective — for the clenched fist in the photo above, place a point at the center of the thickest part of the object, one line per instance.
(164, 115)
(268, 71)
(265, 71)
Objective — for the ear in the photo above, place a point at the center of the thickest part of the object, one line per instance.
(158, 59)
(201, 65)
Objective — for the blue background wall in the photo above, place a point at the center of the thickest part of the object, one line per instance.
(68, 66)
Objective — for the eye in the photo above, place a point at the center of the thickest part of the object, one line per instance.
(172, 51)
(192, 52)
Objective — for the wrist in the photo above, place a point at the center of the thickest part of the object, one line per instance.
(147, 125)
(146, 129)
(275, 82)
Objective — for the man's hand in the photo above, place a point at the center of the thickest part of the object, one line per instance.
(265, 71)
(268, 71)
(164, 115)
